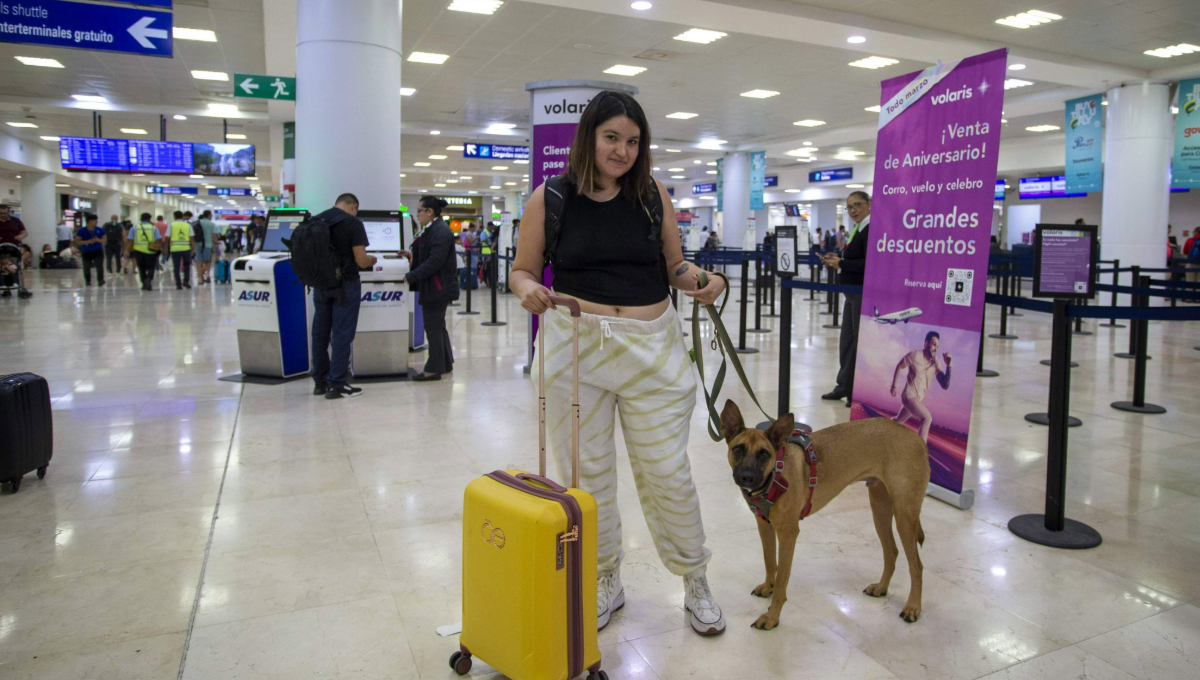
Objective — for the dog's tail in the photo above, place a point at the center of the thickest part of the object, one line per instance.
(920, 534)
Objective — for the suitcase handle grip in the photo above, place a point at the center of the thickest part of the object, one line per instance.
(571, 303)
(554, 486)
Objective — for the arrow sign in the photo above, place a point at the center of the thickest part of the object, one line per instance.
(142, 32)
(78, 25)
(253, 86)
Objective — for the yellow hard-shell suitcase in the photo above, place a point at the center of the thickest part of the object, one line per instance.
(529, 563)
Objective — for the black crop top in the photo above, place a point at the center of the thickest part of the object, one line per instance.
(605, 253)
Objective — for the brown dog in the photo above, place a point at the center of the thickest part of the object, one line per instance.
(890, 458)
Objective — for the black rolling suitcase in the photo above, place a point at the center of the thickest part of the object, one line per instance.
(26, 427)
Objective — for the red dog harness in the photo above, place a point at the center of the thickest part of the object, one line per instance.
(760, 503)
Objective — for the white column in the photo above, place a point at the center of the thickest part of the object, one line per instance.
(735, 204)
(39, 208)
(1137, 155)
(109, 204)
(348, 107)
(145, 207)
(761, 217)
(823, 216)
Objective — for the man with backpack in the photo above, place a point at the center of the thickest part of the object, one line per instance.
(327, 252)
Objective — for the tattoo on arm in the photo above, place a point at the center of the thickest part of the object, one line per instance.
(683, 268)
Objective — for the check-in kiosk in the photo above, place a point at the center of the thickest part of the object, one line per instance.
(385, 316)
(274, 316)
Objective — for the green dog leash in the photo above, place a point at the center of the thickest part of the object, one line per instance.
(722, 343)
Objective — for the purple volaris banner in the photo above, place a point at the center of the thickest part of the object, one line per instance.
(931, 221)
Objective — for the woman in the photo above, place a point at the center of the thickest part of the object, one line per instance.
(434, 276)
(609, 255)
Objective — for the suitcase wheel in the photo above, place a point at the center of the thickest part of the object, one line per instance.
(461, 663)
(598, 675)
(15, 483)
(42, 472)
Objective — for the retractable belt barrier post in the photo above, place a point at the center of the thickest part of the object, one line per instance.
(1112, 323)
(1002, 274)
(471, 279)
(1133, 325)
(495, 276)
(836, 308)
(759, 281)
(741, 346)
(1053, 528)
(1139, 405)
(785, 349)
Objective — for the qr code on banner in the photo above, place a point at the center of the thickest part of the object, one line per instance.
(1081, 287)
(958, 286)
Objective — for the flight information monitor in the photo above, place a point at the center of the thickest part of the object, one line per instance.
(280, 223)
(170, 158)
(383, 230)
(93, 154)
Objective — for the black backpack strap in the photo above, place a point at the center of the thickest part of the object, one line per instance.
(557, 191)
(654, 210)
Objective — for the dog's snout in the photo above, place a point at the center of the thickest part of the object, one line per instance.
(746, 478)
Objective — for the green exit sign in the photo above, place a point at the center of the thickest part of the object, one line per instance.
(250, 86)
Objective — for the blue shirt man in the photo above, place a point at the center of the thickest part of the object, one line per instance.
(90, 239)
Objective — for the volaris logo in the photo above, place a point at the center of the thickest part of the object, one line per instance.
(383, 296)
(255, 295)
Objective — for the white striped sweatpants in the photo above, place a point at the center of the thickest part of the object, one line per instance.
(640, 370)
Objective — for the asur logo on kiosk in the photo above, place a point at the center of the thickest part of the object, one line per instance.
(255, 296)
(383, 296)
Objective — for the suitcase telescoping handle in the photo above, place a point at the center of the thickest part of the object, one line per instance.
(573, 305)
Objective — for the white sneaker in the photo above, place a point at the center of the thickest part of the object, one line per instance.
(610, 596)
(706, 615)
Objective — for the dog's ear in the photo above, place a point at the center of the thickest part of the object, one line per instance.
(731, 420)
(781, 429)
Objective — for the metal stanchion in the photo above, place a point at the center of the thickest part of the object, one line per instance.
(742, 348)
(980, 371)
(830, 278)
(1053, 528)
(759, 282)
(1003, 334)
(836, 310)
(1078, 330)
(814, 275)
(785, 350)
(1112, 323)
(495, 268)
(771, 294)
(1139, 405)
(1136, 272)
(470, 284)
(1012, 311)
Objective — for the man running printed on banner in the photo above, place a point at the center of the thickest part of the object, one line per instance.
(922, 365)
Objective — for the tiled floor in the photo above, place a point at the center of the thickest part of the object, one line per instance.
(334, 551)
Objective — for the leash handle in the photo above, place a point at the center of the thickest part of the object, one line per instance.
(576, 312)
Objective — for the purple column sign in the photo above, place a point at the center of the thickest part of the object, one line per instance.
(555, 108)
(931, 219)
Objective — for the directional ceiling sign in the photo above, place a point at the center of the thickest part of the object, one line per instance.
(85, 26)
(264, 87)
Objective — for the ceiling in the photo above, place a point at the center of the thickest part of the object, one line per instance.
(492, 57)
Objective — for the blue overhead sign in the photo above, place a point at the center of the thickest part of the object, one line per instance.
(831, 175)
(171, 190)
(704, 188)
(231, 191)
(85, 26)
(771, 181)
(499, 152)
(154, 3)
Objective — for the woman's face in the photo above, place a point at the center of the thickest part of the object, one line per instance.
(424, 215)
(617, 142)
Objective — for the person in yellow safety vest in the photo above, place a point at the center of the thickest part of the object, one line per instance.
(182, 247)
(485, 249)
(143, 244)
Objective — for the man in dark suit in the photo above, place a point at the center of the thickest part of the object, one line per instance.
(851, 265)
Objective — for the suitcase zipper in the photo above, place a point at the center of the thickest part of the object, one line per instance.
(571, 539)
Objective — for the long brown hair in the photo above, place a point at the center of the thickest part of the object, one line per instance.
(636, 184)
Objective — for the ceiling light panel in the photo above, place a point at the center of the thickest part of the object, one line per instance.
(215, 107)
(200, 34)
(809, 122)
(22, 125)
(89, 98)
(1034, 17)
(682, 115)
(40, 61)
(641, 5)
(407, 91)
(1173, 51)
(624, 70)
(1013, 83)
(1042, 128)
(235, 135)
(50, 138)
(437, 157)
(873, 62)
(760, 94)
(211, 75)
(700, 35)
(475, 6)
(428, 58)
(873, 109)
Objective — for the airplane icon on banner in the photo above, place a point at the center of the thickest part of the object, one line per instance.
(896, 317)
